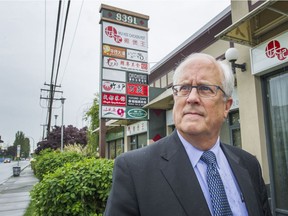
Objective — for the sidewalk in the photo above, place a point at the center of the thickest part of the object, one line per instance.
(14, 193)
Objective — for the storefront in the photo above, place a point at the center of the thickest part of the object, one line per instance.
(263, 32)
(269, 60)
(115, 142)
(137, 135)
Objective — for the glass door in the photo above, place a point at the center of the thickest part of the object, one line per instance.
(276, 87)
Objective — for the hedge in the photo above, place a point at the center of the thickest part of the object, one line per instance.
(49, 161)
(80, 188)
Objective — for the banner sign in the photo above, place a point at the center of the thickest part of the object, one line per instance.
(269, 54)
(18, 151)
(113, 112)
(122, 64)
(113, 99)
(136, 113)
(122, 36)
(125, 17)
(114, 75)
(113, 51)
(137, 78)
(137, 89)
(135, 55)
(113, 87)
(136, 101)
(136, 128)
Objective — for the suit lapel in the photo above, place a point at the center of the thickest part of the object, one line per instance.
(243, 178)
(178, 172)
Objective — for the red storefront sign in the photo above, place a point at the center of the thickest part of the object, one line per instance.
(137, 89)
(113, 99)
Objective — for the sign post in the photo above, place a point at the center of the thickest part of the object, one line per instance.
(18, 153)
(124, 67)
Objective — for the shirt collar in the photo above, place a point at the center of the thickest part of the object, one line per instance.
(194, 154)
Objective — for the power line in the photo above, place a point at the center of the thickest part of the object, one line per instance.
(72, 41)
(62, 42)
(52, 73)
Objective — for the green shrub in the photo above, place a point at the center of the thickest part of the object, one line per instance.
(80, 188)
(49, 161)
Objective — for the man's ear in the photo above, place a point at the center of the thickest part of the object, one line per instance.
(227, 106)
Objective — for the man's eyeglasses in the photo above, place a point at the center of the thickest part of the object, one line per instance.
(205, 91)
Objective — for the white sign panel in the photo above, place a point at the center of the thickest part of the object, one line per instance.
(137, 128)
(18, 151)
(113, 87)
(114, 75)
(122, 36)
(122, 64)
(135, 55)
(113, 112)
(270, 54)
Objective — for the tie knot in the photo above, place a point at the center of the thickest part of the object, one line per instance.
(208, 157)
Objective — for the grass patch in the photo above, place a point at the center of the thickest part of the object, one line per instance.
(30, 209)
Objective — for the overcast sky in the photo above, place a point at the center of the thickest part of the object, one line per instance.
(26, 54)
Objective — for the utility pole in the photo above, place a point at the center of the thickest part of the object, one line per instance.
(55, 120)
(62, 124)
(43, 135)
(50, 97)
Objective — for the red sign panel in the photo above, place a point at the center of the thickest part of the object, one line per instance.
(137, 89)
(113, 99)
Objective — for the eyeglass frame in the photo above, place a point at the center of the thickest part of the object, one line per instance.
(175, 91)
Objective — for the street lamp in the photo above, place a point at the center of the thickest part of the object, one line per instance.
(62, 129)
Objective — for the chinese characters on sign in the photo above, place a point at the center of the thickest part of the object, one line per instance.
(122, 36)
(124, 74)
(269, 54)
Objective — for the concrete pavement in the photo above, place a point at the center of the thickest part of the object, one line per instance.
(14, 193)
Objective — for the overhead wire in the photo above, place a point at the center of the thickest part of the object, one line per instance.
(62, 42)
(52, 86)
(73, 39)
(53, 83)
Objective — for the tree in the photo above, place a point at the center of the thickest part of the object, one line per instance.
(93, 115)
(11, 151)
(71, 135)
(24, 143)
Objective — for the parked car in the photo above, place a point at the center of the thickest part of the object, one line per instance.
(7, 160)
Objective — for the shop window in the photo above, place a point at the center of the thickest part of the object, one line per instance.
(111, 149)
(119, 146)
(138, 141)
(115, 148)
(234, 127)
(133, 142)
(142, 140)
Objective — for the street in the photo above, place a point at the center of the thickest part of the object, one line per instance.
(6, 169)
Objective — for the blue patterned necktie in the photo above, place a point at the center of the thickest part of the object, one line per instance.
(216, 189)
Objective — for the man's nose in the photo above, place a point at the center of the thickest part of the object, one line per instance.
(193, 95)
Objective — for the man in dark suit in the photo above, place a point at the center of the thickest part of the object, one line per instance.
(171, 177)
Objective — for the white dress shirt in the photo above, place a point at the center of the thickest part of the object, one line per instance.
(232, 190)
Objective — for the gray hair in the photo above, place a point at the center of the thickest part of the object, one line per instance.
(227, 79)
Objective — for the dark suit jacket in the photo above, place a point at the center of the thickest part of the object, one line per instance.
(159, 180)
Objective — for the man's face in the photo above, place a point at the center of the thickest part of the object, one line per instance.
(194, 116)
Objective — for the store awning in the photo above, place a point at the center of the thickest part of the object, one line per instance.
(164, 101)
(252, 29)
(116, 123)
